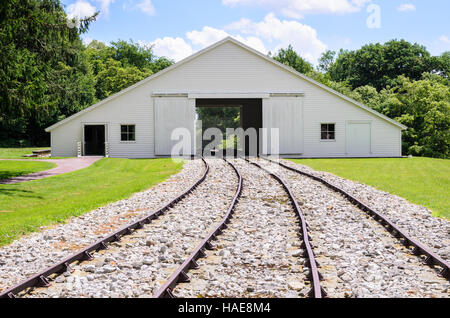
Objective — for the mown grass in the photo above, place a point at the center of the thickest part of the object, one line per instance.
(17, 153)
(422, 181)
(11, 169)
(26, 206)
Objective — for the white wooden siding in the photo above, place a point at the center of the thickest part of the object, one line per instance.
(228, 68)
(124, 110)
(286, 115)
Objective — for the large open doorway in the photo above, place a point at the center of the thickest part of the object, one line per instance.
(230, 113)
(94, 140)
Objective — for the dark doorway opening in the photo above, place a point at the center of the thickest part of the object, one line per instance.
(94, 140)
(250, 113)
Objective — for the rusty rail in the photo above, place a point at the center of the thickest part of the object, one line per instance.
(419, 249)
(180, 275)
(41, 279)
(316, 290)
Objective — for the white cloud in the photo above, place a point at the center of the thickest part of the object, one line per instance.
(147, 7)
(302, 37)
(174, 48)
(87, 40)
(206, 36)
(80, 9)
(209, 35)
(444, 39)
(104, 6)
(406, 7)
(253, 42)
(270, 33)
(298, 8)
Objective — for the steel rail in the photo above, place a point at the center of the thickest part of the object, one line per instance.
(419, 249)
(180, 275)
(316, 291)
(41, 279)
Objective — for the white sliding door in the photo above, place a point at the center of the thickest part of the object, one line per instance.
(172, 113)
(286, 114)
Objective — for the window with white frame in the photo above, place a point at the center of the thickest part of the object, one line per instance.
(127, 132)
(327, 131)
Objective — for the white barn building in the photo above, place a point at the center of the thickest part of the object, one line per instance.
(313, 120)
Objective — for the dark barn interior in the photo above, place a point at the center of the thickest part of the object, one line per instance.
(250, 114)
(94, 140)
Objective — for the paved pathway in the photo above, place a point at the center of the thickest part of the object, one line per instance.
(63, 166)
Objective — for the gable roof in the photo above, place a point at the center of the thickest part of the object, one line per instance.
(210, 48)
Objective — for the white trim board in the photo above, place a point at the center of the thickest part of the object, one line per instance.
(224, 95)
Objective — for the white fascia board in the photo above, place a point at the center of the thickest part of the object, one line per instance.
(222, 95)
(228, 95)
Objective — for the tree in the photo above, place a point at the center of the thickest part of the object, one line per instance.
(219, 117)
(121, 64)
(443, 65)
(114, 77)
(379, 65)
(291, 58)
(423, 106)
(43, 70)
(326, 60)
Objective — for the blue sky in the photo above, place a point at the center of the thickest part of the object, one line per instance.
(178, 28)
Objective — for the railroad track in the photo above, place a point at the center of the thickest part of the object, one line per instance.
(181, 274)
(42, 279)
(316, 291)
(420, 250)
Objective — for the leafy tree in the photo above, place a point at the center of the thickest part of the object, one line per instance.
(379, 65)
(219, 117)
(443, 65)
(114, 78)
(423, 106)
(43, 70)
(121, 64)
(222, 118)
(291, 58)
(324, 78)
(326, 60)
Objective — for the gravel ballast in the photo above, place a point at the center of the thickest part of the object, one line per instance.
(141, 262)
(259, 254)
(416, 220)
(358, 257)
(34, 252)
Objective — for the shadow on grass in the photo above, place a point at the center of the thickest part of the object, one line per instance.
(18, 193)
(5, 174)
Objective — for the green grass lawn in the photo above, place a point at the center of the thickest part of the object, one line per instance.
(422, 181)
(26, 206)
(10, 169)
(17, 153)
